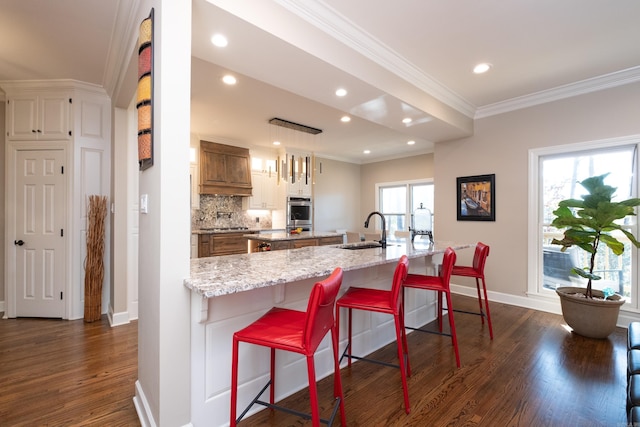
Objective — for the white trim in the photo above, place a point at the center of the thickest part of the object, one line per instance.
(549, 304)
(117, 319)
(142, 407)
(534, 258)
(28, 86)
(607, 81)
(336, 25)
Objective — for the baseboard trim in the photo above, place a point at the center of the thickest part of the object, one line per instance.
(142, 408)
(117, 319)
(549, 305)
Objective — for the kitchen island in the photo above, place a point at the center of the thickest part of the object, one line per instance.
(283, 240)
(229, 292)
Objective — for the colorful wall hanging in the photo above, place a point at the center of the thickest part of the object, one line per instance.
(144, 102)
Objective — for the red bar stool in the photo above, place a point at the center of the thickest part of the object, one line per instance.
(441, 284)
(381, 301)
(299, 332)
(477, 271)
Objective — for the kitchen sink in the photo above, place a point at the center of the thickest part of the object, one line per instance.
(357, 246)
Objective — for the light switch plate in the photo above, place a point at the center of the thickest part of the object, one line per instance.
(144, 203)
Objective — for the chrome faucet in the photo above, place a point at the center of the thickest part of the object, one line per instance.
(383, 240)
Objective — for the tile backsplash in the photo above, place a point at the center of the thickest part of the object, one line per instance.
(226, 211)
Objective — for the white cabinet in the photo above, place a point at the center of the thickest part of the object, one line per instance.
(298, 174)
(194, 245)
(75, 118)
(300, 187)
(264, 180)
(265, 191)
(194, 179)
(42, 116)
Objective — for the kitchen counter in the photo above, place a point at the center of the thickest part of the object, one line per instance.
(229, 292)
(284, 236)
(210, 277)
(225, 230)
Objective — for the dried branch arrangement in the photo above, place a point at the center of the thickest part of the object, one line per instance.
(94, 262)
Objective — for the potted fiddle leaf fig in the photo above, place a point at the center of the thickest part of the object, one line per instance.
(588, 223)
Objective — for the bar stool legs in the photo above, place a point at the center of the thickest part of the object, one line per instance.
(477, 271)
(381, 301)
(298, 332)
(440, 284)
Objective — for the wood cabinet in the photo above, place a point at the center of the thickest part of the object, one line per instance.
(301, 243)
(335, 240)
(278, 245)
(42, 116)
(222, 244)
(224, 170)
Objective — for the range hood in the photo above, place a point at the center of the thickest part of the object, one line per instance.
(224, 170)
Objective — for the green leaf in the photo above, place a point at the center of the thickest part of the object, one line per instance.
(589, 221)
(585, 273)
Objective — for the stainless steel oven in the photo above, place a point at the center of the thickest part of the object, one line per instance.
(299, 213)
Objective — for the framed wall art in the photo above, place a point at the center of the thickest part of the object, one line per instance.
(476, 198)
(144, 102)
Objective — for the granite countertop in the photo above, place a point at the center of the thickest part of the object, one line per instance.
(283, 236)
(223, 275)
(223, 230)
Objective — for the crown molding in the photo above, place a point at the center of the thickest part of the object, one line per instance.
(347, 32)
(607, 81)
(327, 19)
(124, 37)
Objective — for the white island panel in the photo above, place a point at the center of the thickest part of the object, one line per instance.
(233, 298)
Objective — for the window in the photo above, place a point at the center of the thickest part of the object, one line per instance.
(554, 176)
(398, 201)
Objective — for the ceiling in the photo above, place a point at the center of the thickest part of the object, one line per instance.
(396, 59)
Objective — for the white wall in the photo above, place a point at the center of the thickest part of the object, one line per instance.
(337, 196)
(500, 145)
(164, 366)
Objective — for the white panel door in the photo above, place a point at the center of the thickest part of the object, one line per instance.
(40, 245)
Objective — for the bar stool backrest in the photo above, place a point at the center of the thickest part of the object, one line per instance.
(320, 309)
(448, 260)
(399, 276)
(480, 257)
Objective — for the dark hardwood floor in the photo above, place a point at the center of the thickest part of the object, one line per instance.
(534, 373)
(67, 373)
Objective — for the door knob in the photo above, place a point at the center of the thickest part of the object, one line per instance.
(18, 242)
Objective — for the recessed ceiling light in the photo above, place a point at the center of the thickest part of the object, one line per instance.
(406, 120)
(411, 142)
(367, 151)
(276, 142)
(345, 119)
(482, 68)
(229, 79)
(341, 92)
(219, 40)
